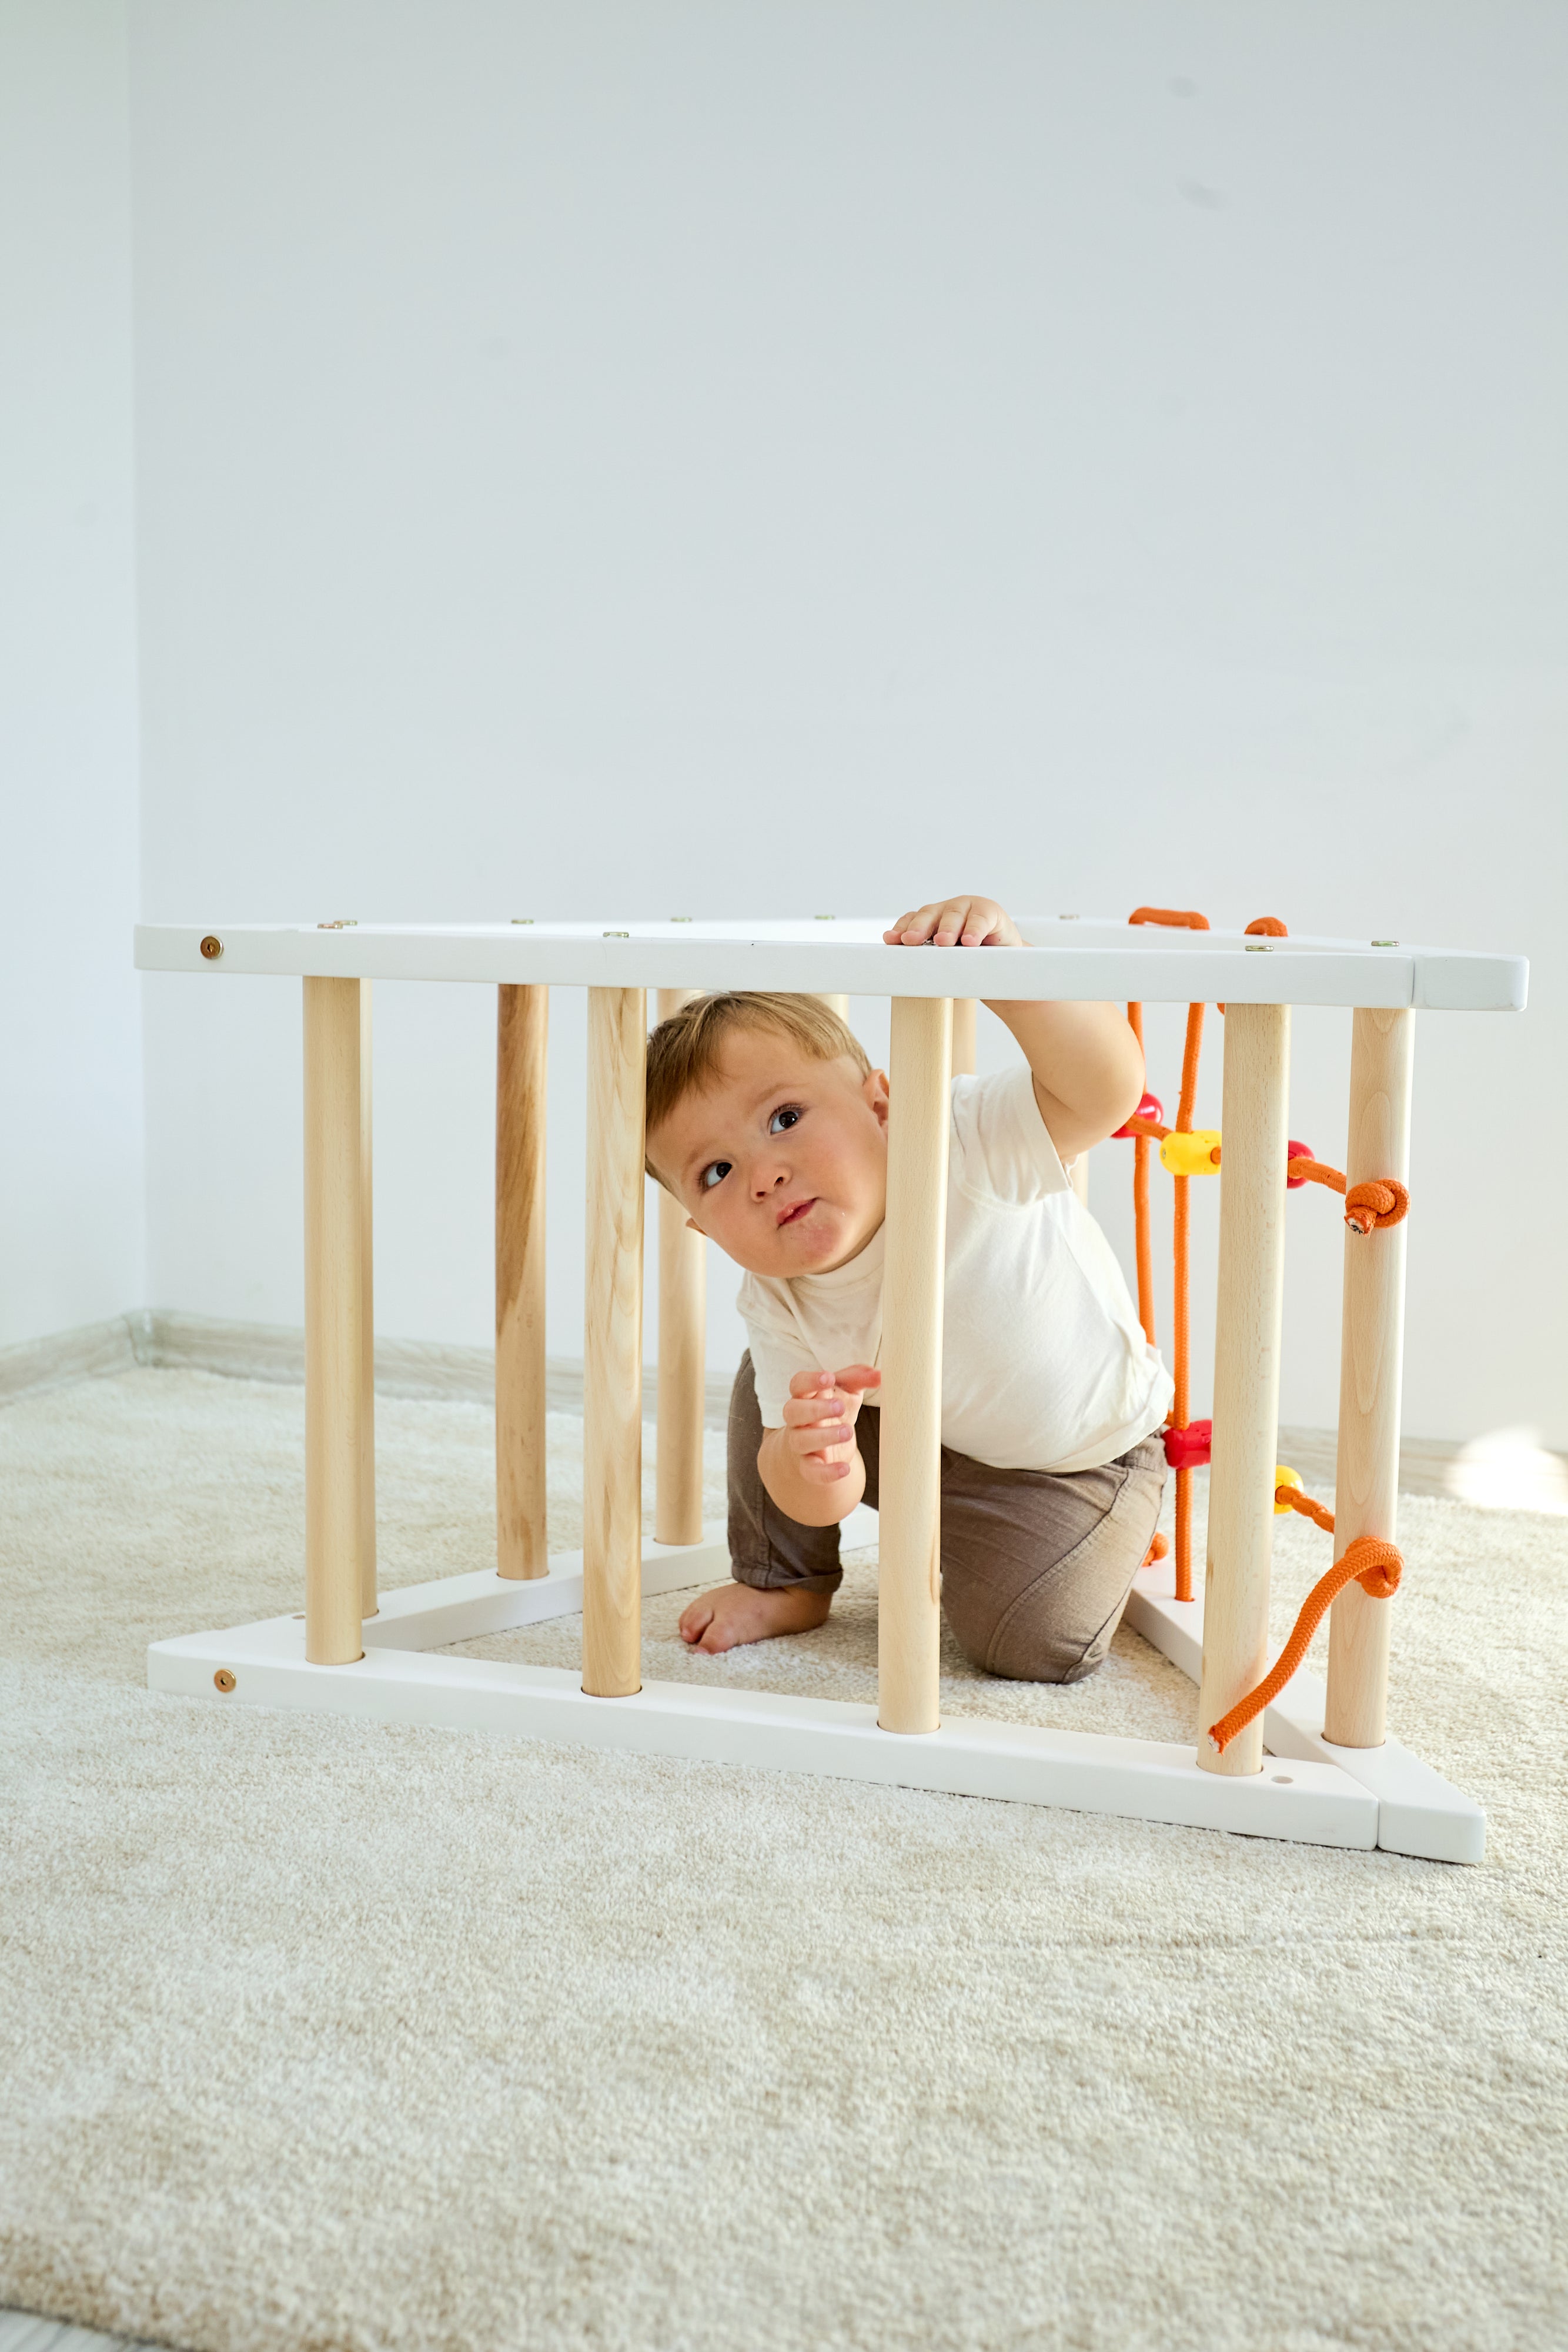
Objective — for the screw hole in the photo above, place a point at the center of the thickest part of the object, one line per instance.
(211, 947)
(1284, 1780)
(223, 1679)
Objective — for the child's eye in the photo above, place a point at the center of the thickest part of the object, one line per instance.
(783, 1120)
(714, 1173)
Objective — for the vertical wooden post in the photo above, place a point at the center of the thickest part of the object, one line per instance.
(1078, 1177)
(963, 1011)
(334, 1321)
(612, 1346)
(910, 1579)
(522, 1042)
(370, 1601)
(1246, 1374)
(1371, 1352)
(683, 1344)
(839, 1004)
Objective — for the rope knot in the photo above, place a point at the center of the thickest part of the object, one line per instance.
(1382, 1202)
(1377, 1567)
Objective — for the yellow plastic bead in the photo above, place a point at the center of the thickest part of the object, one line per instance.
(1196, 1154)
(1284, 1477)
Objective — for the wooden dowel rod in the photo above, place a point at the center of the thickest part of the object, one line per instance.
(334, 1322)
(369, 1602)
(1246, 1375)
(1078, 1177)
(839, 1004)
(909, 1579)
(963, 1011)
(612, 1346)
(1372, 1353)
(522, 1044)
(683, 1345)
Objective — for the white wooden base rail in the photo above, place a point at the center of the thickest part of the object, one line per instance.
(401, 1681)
(350, 1653)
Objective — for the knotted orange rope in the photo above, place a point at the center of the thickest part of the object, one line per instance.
(1383, 1200)
(1375, 1566)
(1174, 918)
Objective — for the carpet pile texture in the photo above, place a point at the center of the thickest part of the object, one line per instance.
(320, 2034)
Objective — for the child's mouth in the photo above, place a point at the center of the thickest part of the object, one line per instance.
(789, 1216)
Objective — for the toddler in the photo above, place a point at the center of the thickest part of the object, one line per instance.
(767, 1122)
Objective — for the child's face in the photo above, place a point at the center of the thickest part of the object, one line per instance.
(783, 1160)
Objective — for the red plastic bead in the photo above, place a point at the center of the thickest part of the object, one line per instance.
(1150, 1107)
(1298, 1151)
(1188, 1449)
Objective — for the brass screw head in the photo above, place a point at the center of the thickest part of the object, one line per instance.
(223, 1679)
(211, 947)
(525, 920)
(617, 935)
(1385, 943)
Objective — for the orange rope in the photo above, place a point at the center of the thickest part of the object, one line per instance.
(1319, 1513)
(1144, 1239)
(1180, 1222)
(1375, 1566)
(1174, 918)
(1383, 1200)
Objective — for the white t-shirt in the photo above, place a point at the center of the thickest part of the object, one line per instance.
(1044, 1363)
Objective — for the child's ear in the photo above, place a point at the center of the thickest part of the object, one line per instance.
(873, 1092)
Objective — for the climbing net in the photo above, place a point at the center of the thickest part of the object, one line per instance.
(1186, 1151)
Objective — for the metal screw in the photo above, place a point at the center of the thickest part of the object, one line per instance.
(211, 947)
(1067, 918)
(1257, 947)
(1385, 943)
(617, 935)
(824, 918)
(522, 918)
(683, 919)
(343, 923)
(223, 1679)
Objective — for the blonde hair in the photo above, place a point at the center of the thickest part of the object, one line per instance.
(684, 1052)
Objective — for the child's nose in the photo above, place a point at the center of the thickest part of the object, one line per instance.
(766, 1179)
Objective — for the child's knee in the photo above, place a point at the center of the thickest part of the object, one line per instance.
(1036, 1640)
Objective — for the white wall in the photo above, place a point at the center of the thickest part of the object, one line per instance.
(71, 1076)
(686, 457)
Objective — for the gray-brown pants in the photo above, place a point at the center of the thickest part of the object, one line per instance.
(1036, 1564)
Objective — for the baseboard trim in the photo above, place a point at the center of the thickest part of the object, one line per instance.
(159, 1336)
(92, 1349)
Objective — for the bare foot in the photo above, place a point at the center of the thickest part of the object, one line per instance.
(733, 1613)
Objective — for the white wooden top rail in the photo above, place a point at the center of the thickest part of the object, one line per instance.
(1066, 957)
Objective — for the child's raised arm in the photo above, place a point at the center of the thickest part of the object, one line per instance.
(1087, 1067)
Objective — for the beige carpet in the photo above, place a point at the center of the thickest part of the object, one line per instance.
(315, 2034)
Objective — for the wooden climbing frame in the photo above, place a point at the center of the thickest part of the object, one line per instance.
(1316, 1765)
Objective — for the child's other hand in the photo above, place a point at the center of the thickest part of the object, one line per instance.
(962, 921)
(818, 1421)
